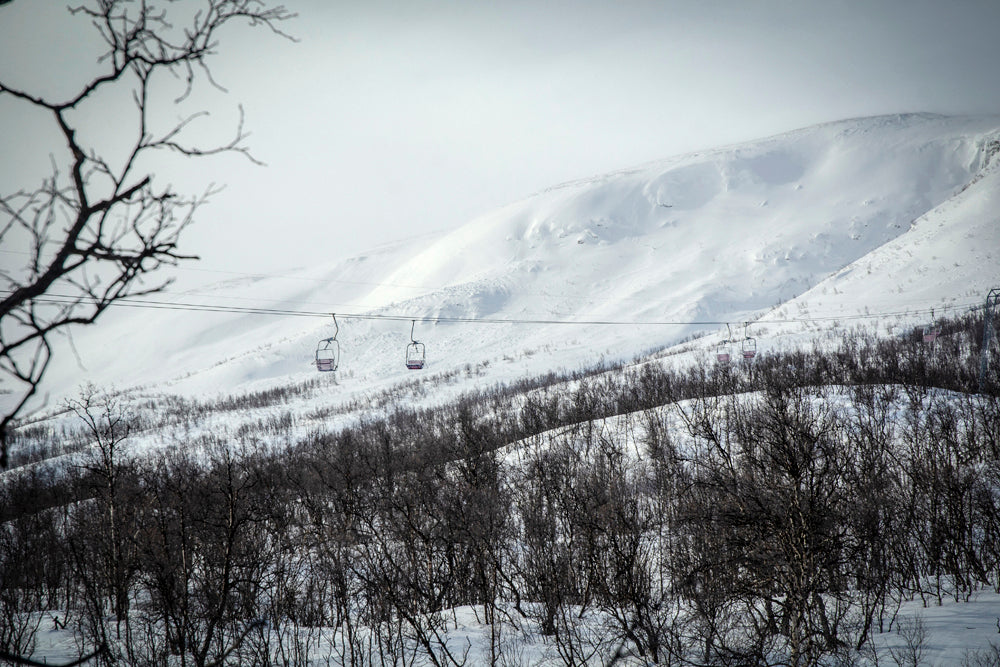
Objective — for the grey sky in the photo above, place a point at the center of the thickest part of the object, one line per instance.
(390, 119)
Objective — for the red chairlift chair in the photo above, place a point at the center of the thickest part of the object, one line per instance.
(328, 351)
(415, 352)
(749, 343)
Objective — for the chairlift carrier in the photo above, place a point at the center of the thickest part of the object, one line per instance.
(328, 350)
(749, 343)
(415, 352)
(722, 352)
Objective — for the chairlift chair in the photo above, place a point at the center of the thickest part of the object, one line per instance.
(327, 355)
(931, 333)
(415, 352)
(328, 351)
(722, 353)
(749, 343)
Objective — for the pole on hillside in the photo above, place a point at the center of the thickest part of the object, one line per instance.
(992, 300)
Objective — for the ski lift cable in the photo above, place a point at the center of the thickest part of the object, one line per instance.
(392, 317)
(202, 307)
(261, 275)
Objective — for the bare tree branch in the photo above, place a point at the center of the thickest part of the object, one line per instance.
(97, 226)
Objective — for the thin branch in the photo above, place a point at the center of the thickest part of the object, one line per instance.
(110, 216)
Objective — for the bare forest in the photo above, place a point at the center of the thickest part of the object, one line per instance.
(773, 513)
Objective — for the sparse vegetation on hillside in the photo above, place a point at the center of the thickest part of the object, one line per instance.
(775, 512)
(98, 227)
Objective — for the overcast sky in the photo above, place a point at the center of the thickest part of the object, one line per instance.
(392, 119)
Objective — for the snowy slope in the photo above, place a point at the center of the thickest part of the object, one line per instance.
(948, 257)
(888, 213)
(870, 216)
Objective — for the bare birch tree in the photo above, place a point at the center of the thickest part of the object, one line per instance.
(99, 226)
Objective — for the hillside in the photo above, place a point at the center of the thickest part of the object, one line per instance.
(893, 214)
(804, 509)
(499, 506)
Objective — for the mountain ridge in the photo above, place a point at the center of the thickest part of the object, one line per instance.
(724, 235)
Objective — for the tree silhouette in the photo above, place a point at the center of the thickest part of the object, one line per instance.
(99, 224)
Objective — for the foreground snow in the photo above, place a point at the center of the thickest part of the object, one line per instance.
(950, 633)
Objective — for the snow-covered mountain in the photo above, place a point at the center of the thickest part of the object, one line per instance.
(861, 217)
(867, 221)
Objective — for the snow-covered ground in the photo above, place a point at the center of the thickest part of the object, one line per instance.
(952, 633)
(879, 221)
(887, 217)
